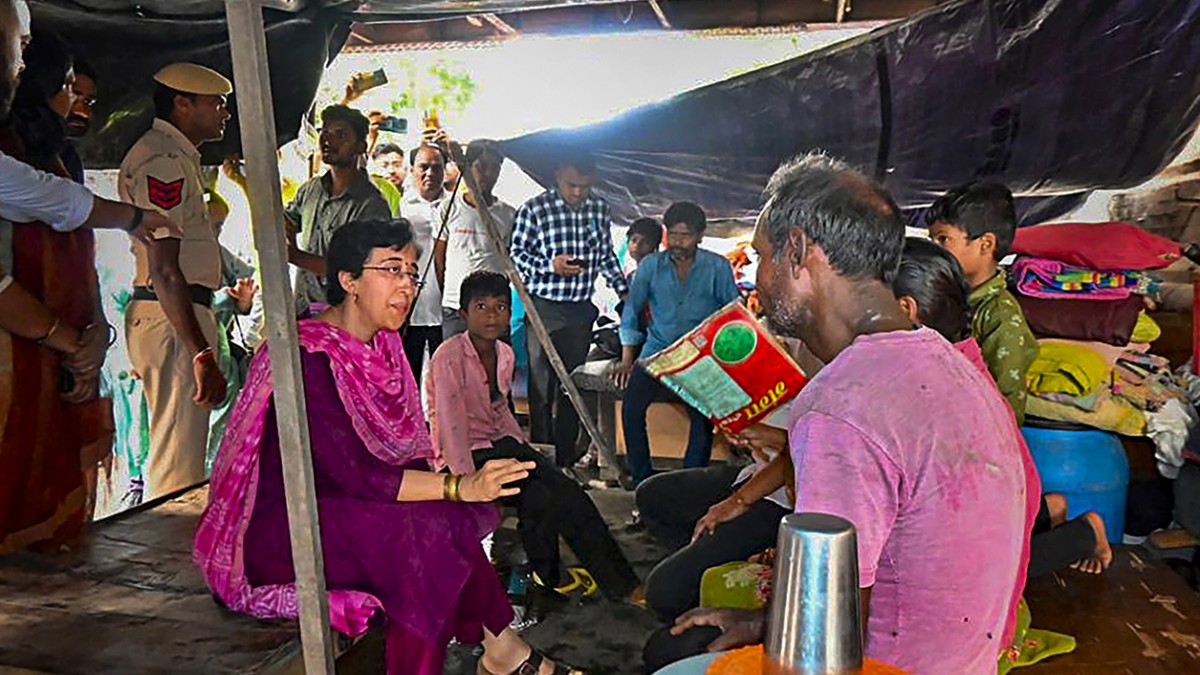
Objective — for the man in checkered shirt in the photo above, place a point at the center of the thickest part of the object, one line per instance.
(562, 241)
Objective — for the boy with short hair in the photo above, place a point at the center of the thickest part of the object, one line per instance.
(976, 222)
(468, 382)
(644, 237)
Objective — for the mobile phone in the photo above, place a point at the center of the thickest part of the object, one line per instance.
(396, 125)
(363, 82)
(432, 121)
(578, 262)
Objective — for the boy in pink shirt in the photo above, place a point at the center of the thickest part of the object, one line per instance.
(468, 383)
(899, 433)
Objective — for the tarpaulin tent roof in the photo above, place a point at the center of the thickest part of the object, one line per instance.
(127, 48)
(1052, 97)
(353, 8)
(126, 41)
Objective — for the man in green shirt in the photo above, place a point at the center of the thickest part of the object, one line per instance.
(325, 203)
(976, 222)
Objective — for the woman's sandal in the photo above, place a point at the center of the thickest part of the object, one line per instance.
(531, 666)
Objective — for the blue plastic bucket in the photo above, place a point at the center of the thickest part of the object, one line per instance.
(1089, 467)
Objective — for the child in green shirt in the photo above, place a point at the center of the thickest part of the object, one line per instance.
(976, 222)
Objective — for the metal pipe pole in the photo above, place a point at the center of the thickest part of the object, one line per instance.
(256, 117)
(814, 626)
(535, 319)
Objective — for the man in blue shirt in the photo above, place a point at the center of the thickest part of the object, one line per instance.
(682, 286)
(561, 242)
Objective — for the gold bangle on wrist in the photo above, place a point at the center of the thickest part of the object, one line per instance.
(455, 482)
(53, 327)
(446, 486)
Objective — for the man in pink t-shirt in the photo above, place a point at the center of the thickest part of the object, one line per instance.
(899, 433)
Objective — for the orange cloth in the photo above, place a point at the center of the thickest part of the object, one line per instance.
(749, 661)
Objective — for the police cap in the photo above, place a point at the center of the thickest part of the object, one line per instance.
(190, 78)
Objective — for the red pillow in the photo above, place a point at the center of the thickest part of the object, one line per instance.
(1097, 246)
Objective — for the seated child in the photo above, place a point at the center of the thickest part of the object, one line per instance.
(468, 384)
(976, 222)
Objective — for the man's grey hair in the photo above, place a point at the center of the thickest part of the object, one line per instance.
(851, 217)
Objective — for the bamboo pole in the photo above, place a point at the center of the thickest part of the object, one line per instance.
(256, 117)
(535, 320)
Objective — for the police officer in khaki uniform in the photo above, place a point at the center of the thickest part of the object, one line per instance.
(170, 328)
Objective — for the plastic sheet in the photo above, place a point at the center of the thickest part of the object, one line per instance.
(1053, 97)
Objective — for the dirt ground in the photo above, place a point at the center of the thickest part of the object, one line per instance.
(593, 633)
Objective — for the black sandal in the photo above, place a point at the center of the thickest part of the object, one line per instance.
(532, 665)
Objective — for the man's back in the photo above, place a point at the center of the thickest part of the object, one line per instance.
(905, 438)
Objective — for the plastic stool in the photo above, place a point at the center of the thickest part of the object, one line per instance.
(1086, 465)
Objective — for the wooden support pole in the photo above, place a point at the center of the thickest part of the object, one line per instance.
(658, 12)
(256, 117)
(535, 319)
(500, 24)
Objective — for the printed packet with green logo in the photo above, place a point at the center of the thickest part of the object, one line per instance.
(729, 368)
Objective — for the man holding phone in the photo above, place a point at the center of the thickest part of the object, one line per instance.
(562, 239)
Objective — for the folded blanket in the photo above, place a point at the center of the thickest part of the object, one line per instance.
(1064, 368)
(1111, 413)
(1110, 353)
(1110, 321)
(1145, 381)
(1042, 278)
(1087, 403)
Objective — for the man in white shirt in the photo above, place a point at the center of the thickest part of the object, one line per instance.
(464, 245)
(423, 208)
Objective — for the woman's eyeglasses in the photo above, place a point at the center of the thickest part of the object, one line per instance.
(397, 272)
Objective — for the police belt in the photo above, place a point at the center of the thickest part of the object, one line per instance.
(200, 295)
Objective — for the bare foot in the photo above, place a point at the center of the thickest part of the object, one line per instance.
(1056, 504)
(1103, 555)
